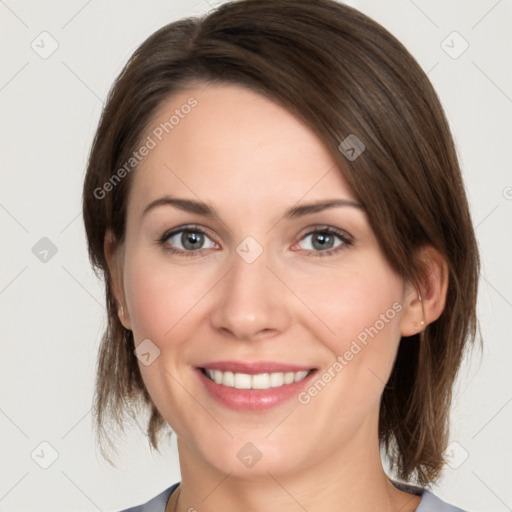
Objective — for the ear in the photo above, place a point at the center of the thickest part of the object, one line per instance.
(115, 260)
(425, 304)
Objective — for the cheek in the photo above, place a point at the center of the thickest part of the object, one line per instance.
(357, 316)
(160, 299)
(148, 296)
(162, 304)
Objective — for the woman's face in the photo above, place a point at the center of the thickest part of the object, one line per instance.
(230, 272)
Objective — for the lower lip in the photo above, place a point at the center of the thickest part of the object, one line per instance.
(253, 399)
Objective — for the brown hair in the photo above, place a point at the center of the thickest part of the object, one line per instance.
(341, 73)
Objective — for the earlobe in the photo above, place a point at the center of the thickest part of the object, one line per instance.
(114, 258)
(425, 302)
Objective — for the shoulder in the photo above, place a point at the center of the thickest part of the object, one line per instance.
(431, 503)
(156, 504)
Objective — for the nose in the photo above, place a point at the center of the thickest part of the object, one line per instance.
(251, 302)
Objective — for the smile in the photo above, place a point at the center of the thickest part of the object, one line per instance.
(253, 386)
(255, 381)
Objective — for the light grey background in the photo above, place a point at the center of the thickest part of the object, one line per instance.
(52, 312)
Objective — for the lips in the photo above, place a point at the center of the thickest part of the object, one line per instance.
(253, 386)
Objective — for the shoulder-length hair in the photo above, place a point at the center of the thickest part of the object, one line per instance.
(342, 74)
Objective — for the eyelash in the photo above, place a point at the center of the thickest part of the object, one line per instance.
(345, 238)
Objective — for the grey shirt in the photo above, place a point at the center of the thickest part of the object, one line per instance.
(429, 501)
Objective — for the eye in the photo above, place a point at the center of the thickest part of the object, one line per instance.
(323, 240)
(187, 240)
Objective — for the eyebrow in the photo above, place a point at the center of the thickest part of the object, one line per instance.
(201, 208)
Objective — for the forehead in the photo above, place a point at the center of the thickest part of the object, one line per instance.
(226, 143)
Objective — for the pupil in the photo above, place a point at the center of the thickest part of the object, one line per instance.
(322, 241)
(192, 240)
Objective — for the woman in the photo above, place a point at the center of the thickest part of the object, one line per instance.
(274, 200)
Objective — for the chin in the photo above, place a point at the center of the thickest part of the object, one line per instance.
(248, 458)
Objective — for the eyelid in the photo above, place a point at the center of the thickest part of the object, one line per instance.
(341, 233)
(186, 227)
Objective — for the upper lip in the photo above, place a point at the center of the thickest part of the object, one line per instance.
(253, 368)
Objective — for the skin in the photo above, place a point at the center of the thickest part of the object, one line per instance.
(252, 160)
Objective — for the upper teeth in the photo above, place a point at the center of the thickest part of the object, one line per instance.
(257, 381)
